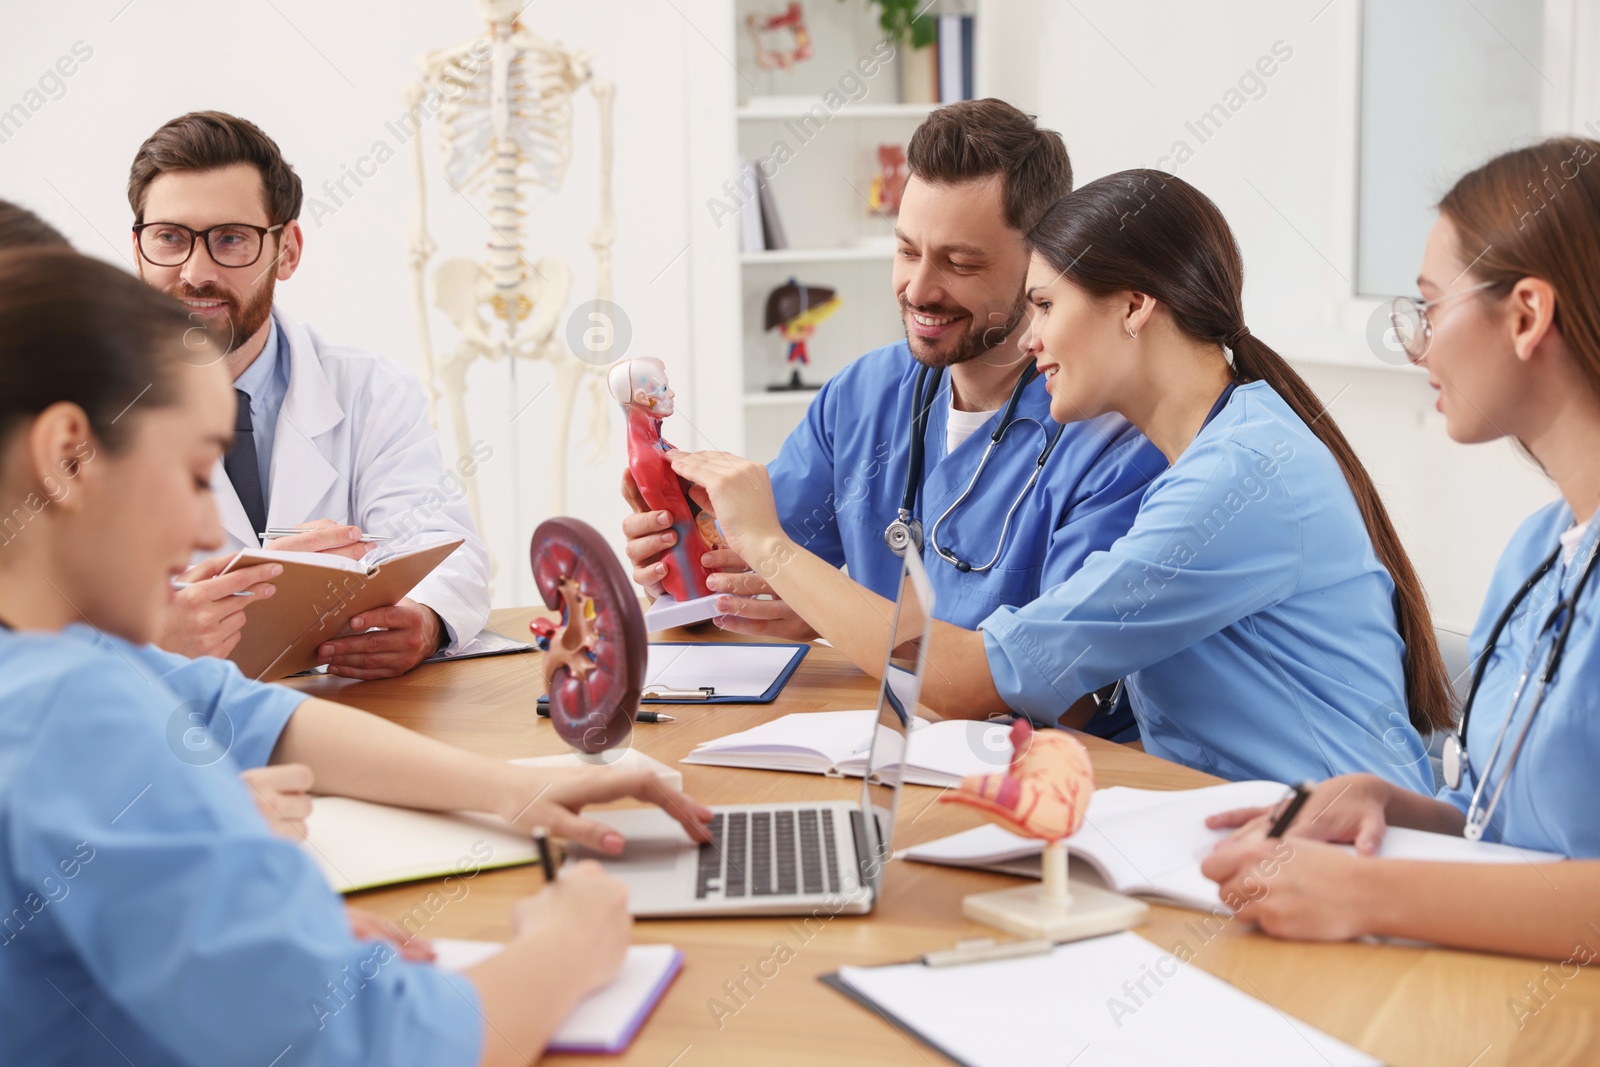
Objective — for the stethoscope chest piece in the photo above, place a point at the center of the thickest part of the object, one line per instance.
(903, 533)
(1454, 758)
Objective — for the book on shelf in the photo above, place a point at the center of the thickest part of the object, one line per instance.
(955, 50)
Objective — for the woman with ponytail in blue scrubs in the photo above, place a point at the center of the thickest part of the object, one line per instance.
(1261, 609)
(1507, 325)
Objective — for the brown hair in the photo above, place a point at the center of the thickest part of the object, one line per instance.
(1535, 212)
(977, 139)
(21, 228)
(1146, 231)
(208, 140)
(75, 329)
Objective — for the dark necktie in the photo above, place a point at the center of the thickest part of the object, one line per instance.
(244, 471)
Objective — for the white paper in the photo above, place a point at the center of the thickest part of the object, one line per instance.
(1083, 1004)
(1152, 842)
(835, 742)
(734, 670)
(487, 643)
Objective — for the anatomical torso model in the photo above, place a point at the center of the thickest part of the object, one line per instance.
(640, 386)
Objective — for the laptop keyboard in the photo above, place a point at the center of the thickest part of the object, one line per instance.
(767, 853)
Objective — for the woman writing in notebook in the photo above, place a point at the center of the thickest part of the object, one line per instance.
(1261, 610)
(1508, 328)
(144, 900)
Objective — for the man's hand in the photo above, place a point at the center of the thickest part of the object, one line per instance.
(205, 619)
(282, 793)
(649, 535)
(751, 607)
(410, 633)
(324, 535)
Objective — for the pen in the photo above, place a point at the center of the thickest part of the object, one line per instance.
(290, 531)
(1302, 793)
(541, 841)
(643, 716)
(980, 949)
(184, 585)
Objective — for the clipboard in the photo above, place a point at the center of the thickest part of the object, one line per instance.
(709, 694)
(839, 985)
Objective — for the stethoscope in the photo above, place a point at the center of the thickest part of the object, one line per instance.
(905, 531)
(1456, 761)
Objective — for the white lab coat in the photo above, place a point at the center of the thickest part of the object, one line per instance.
(353, 444)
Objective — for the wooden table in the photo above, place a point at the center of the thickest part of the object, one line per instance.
(1402, 1005)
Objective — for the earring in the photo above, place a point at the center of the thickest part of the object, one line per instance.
(1131, 334)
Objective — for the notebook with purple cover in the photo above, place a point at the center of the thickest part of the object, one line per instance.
(606, 1021)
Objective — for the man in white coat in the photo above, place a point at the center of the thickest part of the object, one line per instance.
(329, 438)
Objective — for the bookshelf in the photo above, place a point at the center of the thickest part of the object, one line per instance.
(829, 116)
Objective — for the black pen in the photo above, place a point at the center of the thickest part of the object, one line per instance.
(541, 841)
(1302, 793)
(643, 716)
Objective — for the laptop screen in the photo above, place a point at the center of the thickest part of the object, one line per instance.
(904, 663)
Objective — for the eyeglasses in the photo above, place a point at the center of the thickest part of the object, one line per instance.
(1412, 327)
(231, 244)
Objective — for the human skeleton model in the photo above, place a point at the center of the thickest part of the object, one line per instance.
(506, 126)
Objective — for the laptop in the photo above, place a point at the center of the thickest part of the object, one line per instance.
(790, 858)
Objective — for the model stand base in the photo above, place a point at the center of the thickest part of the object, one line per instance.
(1056, 909)
(666, 613)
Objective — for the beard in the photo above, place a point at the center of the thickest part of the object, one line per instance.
(242, 319)
(971, 343)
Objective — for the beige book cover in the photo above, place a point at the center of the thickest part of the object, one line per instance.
(317, 595)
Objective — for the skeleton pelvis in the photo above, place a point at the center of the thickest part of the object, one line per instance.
(463, 289)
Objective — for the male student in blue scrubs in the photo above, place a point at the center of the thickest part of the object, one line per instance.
(981, 174)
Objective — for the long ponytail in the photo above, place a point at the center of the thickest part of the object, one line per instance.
(1149, 232)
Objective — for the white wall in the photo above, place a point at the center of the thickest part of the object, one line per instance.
(1121, 81)
(323, 80)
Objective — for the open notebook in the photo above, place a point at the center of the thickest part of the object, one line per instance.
(359, 845)
(1151, 842)
(317, 595)
(835, 743)
(605, 1021)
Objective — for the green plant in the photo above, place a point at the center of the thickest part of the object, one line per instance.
(901, 21)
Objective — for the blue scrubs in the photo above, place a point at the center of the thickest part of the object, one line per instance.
(1246, 608)
(1551, 798)
(147, 915)
(841, 474)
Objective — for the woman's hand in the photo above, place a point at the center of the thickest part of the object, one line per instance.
(1349, 809)
(589, 908)
(282, 793)
(540, 798)
(369, 927)
(1299, 889)
(739, 493)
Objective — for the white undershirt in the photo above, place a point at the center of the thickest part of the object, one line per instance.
(962, 425)
(1571, 538)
